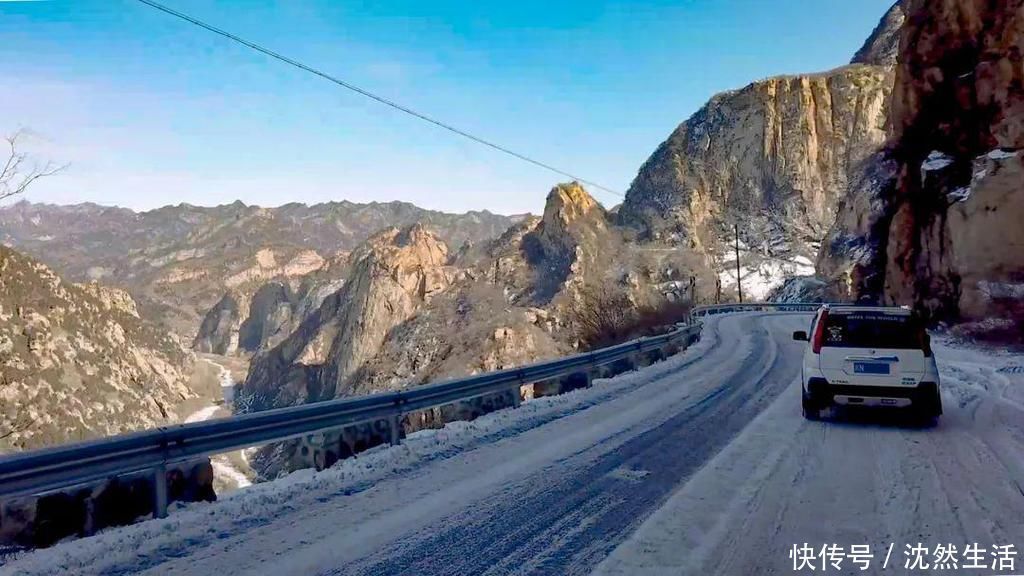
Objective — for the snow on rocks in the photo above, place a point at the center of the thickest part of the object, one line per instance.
(936, 161)
(961, 194)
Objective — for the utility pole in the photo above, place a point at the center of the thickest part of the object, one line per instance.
(739, 281)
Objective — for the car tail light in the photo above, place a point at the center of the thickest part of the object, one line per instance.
(819, 333)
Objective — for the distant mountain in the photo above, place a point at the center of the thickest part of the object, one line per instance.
(77, 362)
(177, 261)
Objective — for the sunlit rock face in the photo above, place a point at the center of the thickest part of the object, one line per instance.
(775, 158)
(392, 275)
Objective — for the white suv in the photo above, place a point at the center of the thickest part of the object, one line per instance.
(868, 356)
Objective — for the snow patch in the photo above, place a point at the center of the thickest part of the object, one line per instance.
(227, 386)
(1000, 154)
(764, 277)
(936, 161)
(959, 195)
(1001, 290)
(629, 474)
(202, 414)
(226, 470)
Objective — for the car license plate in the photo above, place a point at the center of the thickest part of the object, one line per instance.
(870, 368)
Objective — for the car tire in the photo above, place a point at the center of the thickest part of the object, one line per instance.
(810, 408)
(929, 404)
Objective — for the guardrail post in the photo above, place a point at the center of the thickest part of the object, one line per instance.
(517, 391)
(160, 492)
(396, 429)
(637, 356)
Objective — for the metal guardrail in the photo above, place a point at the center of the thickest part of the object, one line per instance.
(151, 451)
(713, 309)
(61, 467)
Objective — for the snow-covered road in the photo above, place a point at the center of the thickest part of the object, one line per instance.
(701, 464)
(866, 480)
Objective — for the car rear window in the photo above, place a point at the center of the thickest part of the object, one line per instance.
(872, 330)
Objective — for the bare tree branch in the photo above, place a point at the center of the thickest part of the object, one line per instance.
(16, 176)
(21, 424)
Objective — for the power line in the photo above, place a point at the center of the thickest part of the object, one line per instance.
(371, 95)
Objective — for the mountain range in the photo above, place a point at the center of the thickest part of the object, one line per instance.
(176, 261)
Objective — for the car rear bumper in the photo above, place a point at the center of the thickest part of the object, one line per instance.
(873, 401)
(882, 396)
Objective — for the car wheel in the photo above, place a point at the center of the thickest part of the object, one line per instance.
(929, 406)
(810, 408)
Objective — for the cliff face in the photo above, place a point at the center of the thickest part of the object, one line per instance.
(937, 224)
(775, 157)
(782, 147)
(77, 362)
(392, 275)
(257, 316)
(507, 303)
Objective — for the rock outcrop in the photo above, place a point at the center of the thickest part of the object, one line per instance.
(781, 148)
(258, 316)
(937, 222)
(572, 238)
(77, 362)
(775, 158)
(469, 329)
(392, 275)
(883, 46)
(218, 333)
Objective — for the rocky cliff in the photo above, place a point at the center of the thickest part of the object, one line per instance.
(258, 316)
(77, 362)
(774, 158)
(392, 275)
(178, 261)
(935, 219)
(572, 238)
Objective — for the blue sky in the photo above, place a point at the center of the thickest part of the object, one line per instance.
(151, 111)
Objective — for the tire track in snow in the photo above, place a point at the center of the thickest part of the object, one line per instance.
(867, 478)
(523, 531)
